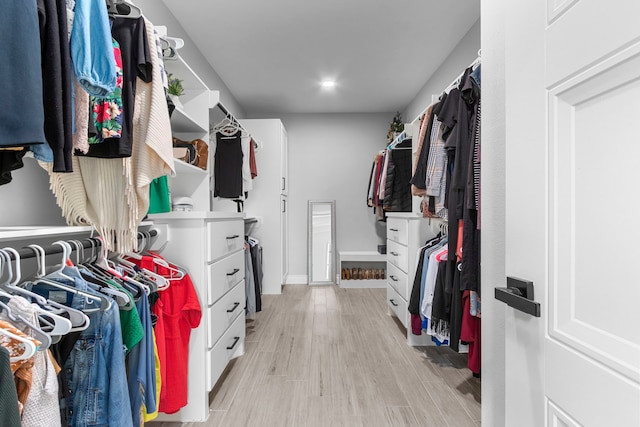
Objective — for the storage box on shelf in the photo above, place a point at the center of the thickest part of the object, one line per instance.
(209, 245)
(406, 232)
(371, 264)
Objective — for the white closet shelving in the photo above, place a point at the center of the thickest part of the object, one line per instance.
(188, 122)
(208, 244)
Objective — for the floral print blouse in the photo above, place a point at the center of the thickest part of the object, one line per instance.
(107, 111)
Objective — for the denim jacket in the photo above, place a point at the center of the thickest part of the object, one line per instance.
(94, 374)
(91, 48)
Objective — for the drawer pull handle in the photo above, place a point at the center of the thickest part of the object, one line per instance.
(235, 305)
(235, 236)
(393, 303)
(393, 229)
(235, 270)
(393, 278)
(394, 253)
(235, 341)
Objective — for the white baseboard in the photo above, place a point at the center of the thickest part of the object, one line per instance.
(293, 279)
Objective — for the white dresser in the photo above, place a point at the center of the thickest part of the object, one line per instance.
(210, 246)
(406, 232)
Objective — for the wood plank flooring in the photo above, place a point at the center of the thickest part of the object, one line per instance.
(326, 356)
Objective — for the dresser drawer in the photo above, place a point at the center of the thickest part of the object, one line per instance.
(218, 357)
(223, 275)
(398, 230)
(224, 237)
(223, 313)
(398, 305)
(397, 254)
(398, 280)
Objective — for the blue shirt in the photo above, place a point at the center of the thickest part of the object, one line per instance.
(92, 49)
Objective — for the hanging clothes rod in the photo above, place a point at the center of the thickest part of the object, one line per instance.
(26, 253)
(457, 79)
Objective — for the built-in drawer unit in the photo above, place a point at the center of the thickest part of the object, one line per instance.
(406, 233)
(397, 254)
(398, 305)
(223, 275)
(224, 237)
(398, 280)
(397, 230)
(223, 313)
(222, 352)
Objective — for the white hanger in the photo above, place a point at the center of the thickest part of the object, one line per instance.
(29, 346)
(105, 302)
(77, 321)
(123, 9)
(10, 285)
(38, 334)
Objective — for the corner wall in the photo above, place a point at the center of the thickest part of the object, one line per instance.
(159, 14)
(460, 57)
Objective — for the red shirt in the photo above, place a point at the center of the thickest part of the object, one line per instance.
(178, 311)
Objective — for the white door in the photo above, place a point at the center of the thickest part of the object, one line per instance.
(572, 85)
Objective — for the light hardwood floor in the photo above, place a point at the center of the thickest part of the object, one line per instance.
(326, 356)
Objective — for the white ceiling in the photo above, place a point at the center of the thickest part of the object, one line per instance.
(273, 54)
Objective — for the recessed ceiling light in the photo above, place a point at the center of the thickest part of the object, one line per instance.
(328, 83)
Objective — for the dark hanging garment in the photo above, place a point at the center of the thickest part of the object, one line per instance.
(22, 118)
(9, 161)
(56, 80)
(397, 196)
(9, 413)
(256, 255)
(228, 166)
(131, 35)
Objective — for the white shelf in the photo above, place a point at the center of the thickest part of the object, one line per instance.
(362, 259)
(184, 168)
(181, 121)
(181, 70)
(364, 256)
(365, 283)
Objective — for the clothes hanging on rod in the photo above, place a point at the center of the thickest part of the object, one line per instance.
(132, 390)
(447, 176)
(389, 189)
(108, 69)
(253, 275)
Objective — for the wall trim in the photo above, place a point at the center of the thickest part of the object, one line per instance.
(296, 279)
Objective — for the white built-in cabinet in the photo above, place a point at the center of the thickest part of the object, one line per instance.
(269, 200)
(209, 245)
(406, 233)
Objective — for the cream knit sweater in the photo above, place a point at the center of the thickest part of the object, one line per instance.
(112, 195)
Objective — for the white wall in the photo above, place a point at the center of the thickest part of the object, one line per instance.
(330, 158)
(158, 13)
(462, 55)
(27, 199)
(493, 211)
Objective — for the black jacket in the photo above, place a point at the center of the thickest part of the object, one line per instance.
(397, 196)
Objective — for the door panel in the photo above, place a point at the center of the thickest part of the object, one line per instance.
(587, 253)
(572, 76)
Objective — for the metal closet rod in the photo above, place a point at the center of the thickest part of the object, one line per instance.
(87, 243)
